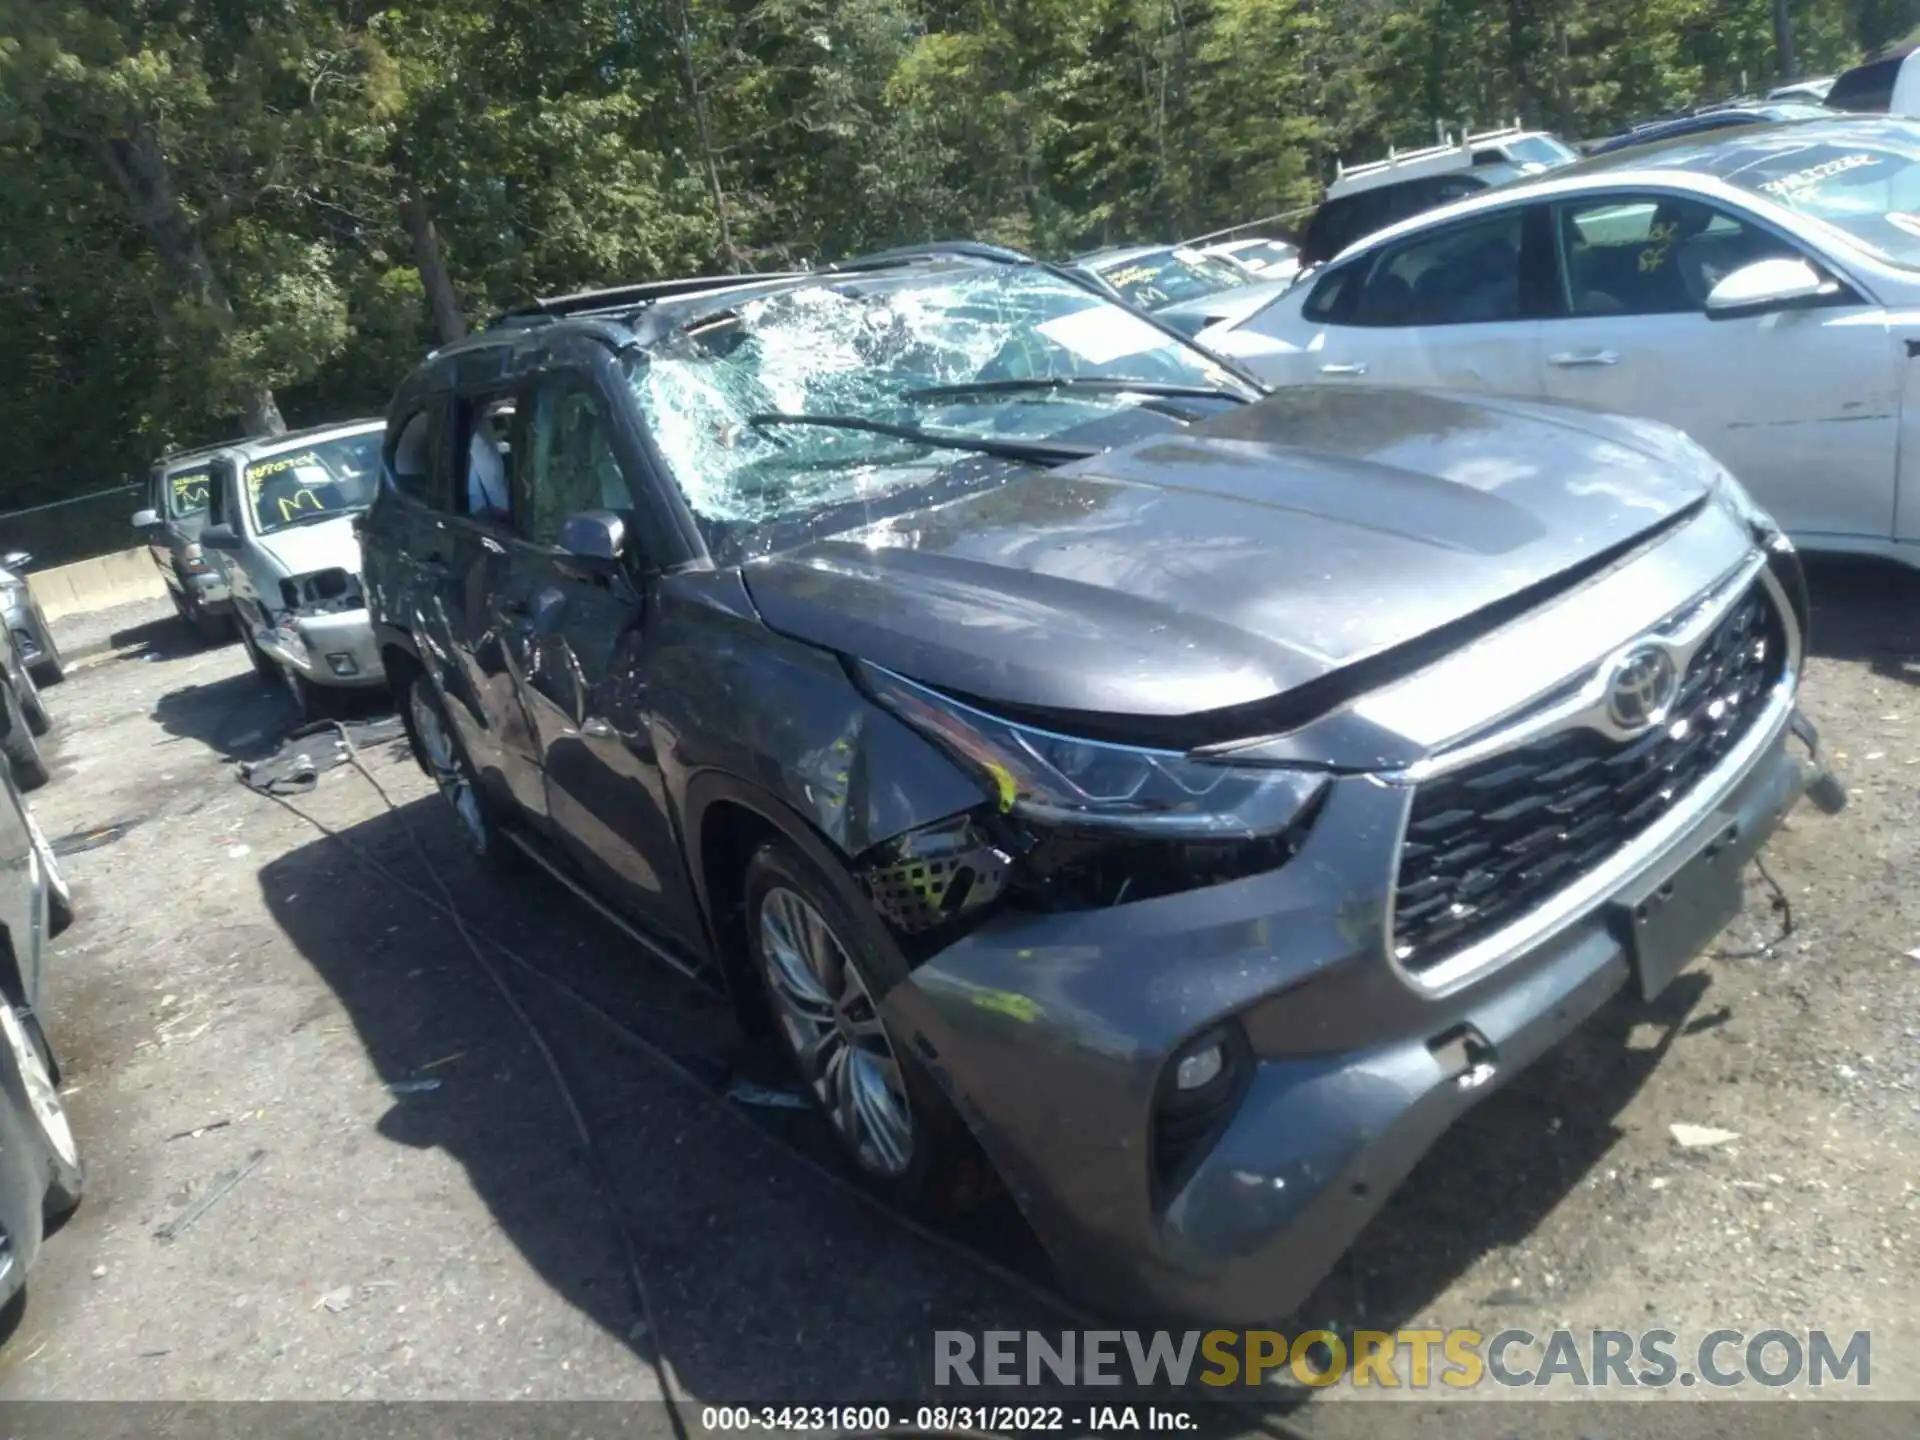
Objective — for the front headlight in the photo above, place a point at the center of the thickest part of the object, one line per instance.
(1064, 782)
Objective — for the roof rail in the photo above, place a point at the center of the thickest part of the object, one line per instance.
(621, 297)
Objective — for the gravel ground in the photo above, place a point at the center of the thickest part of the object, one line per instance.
(239, 986)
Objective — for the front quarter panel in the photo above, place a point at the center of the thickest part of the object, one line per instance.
(741, 708)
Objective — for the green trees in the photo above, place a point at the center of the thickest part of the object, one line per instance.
(214, 213)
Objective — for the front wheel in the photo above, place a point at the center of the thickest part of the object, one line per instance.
(258, 657)
(825, 967)
(47, 1113)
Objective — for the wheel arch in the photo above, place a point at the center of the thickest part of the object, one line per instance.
(727, 822)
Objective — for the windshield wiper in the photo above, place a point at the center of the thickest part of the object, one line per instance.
(1037, 450)
(1097, 384)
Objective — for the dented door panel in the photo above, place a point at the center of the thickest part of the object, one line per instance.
(587, 691)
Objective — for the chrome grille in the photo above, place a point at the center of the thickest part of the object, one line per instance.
(1489, 842)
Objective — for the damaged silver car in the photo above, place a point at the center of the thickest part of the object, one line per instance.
(281, 518)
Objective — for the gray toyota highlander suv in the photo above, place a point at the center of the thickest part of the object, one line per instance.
(1197, 798)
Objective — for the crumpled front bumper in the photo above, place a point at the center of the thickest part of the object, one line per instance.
(336, 649)
(1052, 1034)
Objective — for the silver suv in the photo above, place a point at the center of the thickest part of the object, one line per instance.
(280, 517)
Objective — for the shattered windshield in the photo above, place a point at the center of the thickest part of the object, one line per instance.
(315, 482)
(855, 349)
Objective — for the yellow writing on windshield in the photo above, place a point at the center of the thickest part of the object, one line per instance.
(301, 499)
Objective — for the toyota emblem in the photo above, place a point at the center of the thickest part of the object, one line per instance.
(1642, 687)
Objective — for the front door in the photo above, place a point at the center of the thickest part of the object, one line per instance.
(1449, 309)
(584, 668)
(1803, 406)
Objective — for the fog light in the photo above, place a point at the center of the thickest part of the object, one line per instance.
(342, 665)
(1201, 1068)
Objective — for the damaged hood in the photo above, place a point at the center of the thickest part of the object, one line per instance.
(1229, 562)
(322, 545)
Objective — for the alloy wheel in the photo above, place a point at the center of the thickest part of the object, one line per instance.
(48, 1109)
(836, 1033)
(448, 769)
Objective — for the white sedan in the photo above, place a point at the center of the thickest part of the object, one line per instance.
(1759, 289)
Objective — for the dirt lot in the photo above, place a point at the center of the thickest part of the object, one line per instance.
(243, 991)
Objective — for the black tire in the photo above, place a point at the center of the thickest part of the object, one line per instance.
(213, 629)
(262, 664)
(32, 706)
(23, 753)
(436, 745)
(942, 1169)
(316, 702)
(49, 669)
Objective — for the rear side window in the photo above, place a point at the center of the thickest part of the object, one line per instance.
(416, 462)
(1463, 274)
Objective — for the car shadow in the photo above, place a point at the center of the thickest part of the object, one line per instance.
(1503, 1168)
(1867, 610)
(168, 638)
(743, 1244)
(241, 717)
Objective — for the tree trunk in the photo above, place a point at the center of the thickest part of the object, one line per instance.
(1783, 40)
(140, 170)
(703, 130)
(443, 301)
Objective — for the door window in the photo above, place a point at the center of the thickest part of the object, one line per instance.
(1653, 255)
(415, 465)
(568, 463)
(483, 439)
(1464, 274)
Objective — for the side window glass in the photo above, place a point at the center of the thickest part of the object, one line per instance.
(1467, 273)
(568, 463)
(413, 464)
(483, 439)
(1324, 300)
(1653, 255)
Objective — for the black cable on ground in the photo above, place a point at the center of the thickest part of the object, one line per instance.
(1782, 906)
(843, 1184)
(603, 1176)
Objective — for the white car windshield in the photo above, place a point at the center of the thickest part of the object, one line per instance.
(863, 350)
(314, 482)
(1870, 190)
(1166, 277)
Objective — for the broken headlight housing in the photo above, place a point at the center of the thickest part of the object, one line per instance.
(1093, 786)
(323, 591)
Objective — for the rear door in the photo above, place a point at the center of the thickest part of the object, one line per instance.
(432, 569)
(1803, 406)
(584, 648)
(1457, 307)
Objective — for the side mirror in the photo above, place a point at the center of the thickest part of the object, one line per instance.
(1766, 286)
(219, 537)
(16, 560)
(596, 538)
(145, 519)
